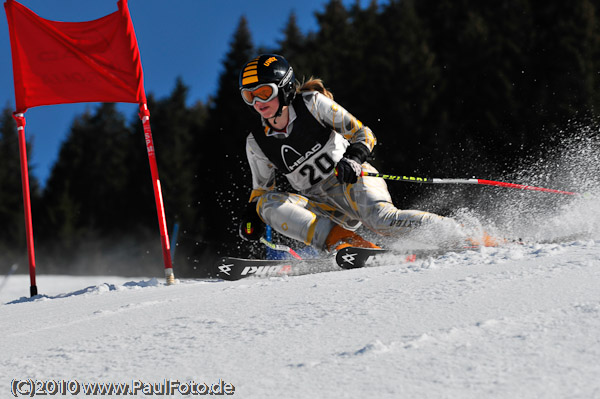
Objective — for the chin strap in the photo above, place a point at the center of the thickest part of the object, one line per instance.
(278, 113)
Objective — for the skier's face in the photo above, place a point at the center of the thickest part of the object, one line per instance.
(267, 110)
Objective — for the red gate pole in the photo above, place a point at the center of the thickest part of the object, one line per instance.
(160, 208)
(20, 119)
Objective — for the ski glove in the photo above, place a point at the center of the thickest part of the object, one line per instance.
(251, 226)
(349, 167)
(348, 170)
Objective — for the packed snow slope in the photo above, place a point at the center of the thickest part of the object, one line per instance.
(515, 322)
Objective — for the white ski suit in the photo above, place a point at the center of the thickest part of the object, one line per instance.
(317, 135)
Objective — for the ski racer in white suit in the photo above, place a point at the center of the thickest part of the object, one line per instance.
(322, 150)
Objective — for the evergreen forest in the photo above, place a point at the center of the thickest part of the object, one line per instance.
(451, 88)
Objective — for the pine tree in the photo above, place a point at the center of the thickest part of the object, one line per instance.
(480, 52)
(174, 127)
(294, 48)
(224, 182)
(331, 58)
(400, 82)
(87, 207)
(564, 79)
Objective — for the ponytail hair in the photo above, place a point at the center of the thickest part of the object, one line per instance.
(315, 84)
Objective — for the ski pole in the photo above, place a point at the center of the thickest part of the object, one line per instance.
(280, 247)
(429, 180)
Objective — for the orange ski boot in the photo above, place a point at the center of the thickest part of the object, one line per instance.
(339, 238)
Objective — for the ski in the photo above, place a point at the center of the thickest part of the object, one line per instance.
(231, 268)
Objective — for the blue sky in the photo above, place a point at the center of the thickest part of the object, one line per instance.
(187, 38)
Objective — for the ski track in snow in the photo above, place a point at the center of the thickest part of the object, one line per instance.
(512, 322)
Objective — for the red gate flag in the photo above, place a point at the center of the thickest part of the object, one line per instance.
(69, 62)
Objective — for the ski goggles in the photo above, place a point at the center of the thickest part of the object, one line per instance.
(263, 93)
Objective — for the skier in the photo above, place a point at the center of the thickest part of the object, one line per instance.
(322, 150)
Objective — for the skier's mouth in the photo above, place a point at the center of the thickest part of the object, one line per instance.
(264, 111)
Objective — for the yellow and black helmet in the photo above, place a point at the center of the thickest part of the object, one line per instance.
(269, 68)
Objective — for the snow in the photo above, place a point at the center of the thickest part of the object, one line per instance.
(517, 321)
